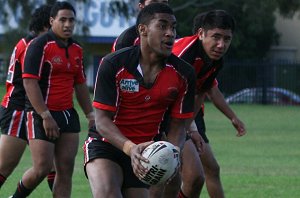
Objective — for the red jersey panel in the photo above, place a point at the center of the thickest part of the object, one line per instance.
(15, 92)
(191, 50)
(140, 107)
(57, 67)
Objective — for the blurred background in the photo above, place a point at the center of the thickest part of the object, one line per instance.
(262, 65)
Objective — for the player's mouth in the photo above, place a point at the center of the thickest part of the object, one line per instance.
(169, 44)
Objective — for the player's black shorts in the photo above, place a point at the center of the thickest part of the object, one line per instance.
(95, 148)
(67, 121)
(12, 122)
(199, 120)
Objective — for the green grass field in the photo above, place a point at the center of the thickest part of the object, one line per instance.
(263, 164)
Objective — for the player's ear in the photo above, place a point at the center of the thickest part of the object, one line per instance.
(200, 33)
(142, 30)
(51, 20)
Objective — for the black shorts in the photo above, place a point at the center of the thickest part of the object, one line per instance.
(94, 148)
(67, 121)
(12, 122)
(199, 120)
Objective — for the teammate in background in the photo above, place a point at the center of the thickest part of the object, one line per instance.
(130, 36)
(53, 69)
(12, 115)
(135, 86)
(204, 50)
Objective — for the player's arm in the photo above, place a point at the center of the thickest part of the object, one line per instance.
(31, 74)
(176, 133)
(108, 130)
(35, 97)
(218, 100)
(83, 98)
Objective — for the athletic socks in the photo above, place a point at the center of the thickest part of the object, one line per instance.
(22, 191)
(50, 179)
(2, 180)
(181, 195)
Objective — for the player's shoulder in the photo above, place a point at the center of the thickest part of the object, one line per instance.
(123, 57)
(126, 38)
(181, 65)
(129, 32)
(41, 40)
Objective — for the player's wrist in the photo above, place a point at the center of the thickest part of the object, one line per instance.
(127, 146)
(45, 114)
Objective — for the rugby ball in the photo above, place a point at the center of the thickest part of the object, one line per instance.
(163, 161)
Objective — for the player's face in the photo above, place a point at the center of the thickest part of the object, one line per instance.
(147, 2)
(160, 34)
(215, 42)
(63, 24)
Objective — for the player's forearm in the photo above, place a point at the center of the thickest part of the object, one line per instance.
(177, 132)
(83, 98)
(218, 100)
(108, 130)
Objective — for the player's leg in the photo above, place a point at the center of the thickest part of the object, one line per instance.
(42, 153)
(105, 178)
(101, 166)
(12, 141)
(192, 171)
(212, 173)
(11, 151)
(66, 148)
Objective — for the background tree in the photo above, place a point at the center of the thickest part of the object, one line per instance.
(255, 32)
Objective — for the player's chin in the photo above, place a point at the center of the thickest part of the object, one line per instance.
(166, 52)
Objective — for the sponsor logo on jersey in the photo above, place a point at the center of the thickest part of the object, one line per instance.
(129, 85)
(57, 60)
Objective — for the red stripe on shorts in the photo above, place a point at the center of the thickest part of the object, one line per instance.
(15, 123)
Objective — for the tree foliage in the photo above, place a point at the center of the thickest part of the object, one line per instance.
(255, 19)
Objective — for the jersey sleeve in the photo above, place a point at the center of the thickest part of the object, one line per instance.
(32, 60)
(184, 105)
(105, 92)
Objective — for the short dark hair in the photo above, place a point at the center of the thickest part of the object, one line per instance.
(147, 14)
(214, 19)
(61, 5)
(40, 19)
(142, 1)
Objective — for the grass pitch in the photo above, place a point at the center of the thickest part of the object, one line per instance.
(262, 164)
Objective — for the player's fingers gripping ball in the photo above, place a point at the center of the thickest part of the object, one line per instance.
(164, 160)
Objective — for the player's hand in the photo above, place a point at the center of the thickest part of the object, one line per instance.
(197, 140)
(136, 157)
(239, 126)
(51, 128)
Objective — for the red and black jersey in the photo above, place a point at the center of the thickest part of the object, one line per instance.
(127, 38)
(57, 67)
(15, 92)
(191, 50)
(139, 108)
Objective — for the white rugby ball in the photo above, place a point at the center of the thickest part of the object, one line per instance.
(163, 160)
